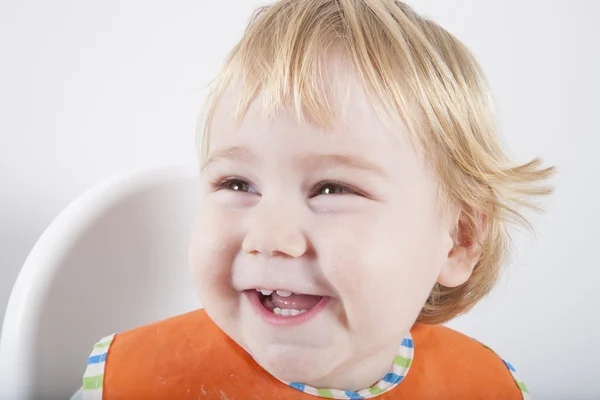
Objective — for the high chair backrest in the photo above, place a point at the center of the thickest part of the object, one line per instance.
(115, 258)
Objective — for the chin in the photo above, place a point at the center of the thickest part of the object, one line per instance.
(288, 363)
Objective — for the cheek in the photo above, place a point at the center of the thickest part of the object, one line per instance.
(383, 268)
(213, 246)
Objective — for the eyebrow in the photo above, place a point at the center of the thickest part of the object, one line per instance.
(356, 162)
(233, 153)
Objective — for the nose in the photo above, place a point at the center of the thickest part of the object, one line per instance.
(275, 230)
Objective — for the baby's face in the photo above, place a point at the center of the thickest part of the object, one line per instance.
(345, 219)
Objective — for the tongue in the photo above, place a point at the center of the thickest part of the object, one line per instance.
(296, 301)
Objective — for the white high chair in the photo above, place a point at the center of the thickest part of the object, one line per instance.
(114, 259)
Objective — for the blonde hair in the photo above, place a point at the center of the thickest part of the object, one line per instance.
(415, 70)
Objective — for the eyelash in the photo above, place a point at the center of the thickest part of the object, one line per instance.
(225, 184)
(338, 185)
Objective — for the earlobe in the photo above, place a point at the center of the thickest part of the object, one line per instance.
(466, 250)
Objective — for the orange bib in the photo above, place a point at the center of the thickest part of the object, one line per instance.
(189, 357)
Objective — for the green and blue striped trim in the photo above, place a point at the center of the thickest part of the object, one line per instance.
(93, 378)
(400, 367)
(395, 375)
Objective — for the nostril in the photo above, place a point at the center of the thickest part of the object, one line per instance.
(272, 242)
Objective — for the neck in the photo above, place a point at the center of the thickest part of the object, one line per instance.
(359, 374)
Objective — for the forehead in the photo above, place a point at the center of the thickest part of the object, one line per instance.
(356, 126)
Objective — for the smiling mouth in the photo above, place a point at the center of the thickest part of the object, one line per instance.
(287, 304)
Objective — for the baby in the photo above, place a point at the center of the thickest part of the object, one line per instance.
(356, 198)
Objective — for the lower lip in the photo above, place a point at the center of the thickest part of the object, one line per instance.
(279, 320)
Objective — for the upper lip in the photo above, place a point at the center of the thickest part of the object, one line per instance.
(287, 289)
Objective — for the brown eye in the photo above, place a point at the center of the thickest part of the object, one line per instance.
(330, 188)
(333, 188)
(238, 186)
(233, 184)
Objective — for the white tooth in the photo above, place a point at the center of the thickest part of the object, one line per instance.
(285, 312)
(283, 293)
(294, 312)
(277, 311)
(266, 292)
(302, 311)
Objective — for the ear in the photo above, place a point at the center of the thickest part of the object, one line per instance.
(466, 251)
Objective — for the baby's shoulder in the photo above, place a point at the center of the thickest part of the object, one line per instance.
(159, 352)
(460, 360)
(192, 332)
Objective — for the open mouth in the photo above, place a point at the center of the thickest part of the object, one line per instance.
(287, 304)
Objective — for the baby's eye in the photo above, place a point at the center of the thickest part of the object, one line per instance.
(238, 186)
(328, 188)
(233, 184)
